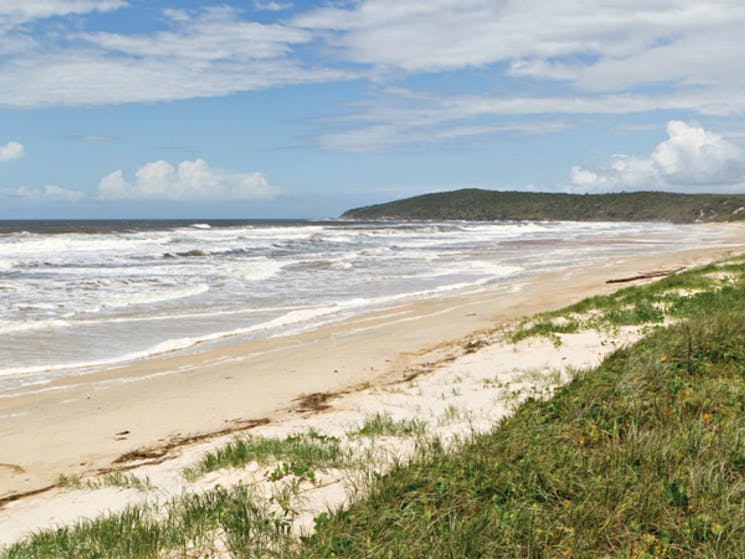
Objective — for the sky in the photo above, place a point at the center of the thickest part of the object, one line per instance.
(282, 108)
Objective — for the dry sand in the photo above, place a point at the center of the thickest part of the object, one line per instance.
(83, 424)
(468, 391)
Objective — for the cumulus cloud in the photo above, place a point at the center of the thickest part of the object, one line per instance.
(692, 158)
(10, 151)
(189, 180)
(49, 192)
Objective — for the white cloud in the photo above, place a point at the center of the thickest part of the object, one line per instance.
(92, 138)
(217, 34)
(89, 80)
(49, 192)
(600, 54)
(379, 137)
(272, 6)
(18, 12)
(636, 127)
(690, 159)
(10, 151)
(605, 46)
(693, 48)
(400, 116)
(190, 180)
(176, 15)
(212, 52)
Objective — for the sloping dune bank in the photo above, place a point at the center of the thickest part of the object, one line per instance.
(438, 366)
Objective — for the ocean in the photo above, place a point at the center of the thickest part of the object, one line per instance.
(77, 296)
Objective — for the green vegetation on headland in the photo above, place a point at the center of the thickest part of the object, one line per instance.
(477, 204)
(642, 457)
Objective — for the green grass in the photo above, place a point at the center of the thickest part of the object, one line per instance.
(688, 294)
(301, 455)
(187, 527)
(383, 425)
(111, 479)
(642, 457)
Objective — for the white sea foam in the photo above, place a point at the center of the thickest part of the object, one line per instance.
(85, 366)
(53, 246)
(155, 296)
(180, 316)
(18, 326)
(97, 299)
(294, 317)
(73, 320)
(252, 270)
(496, 270)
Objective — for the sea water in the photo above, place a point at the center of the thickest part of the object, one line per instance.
(80, 295)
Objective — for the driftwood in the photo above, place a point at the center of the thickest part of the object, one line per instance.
(655, 274)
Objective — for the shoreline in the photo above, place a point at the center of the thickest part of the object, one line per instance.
(103, 338)
(224, 389)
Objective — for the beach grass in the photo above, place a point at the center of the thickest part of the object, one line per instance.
(300, 454)
(111, 479)
(229, 521)
(383, 425)
(688, 294)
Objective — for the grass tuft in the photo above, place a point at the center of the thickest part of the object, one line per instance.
(188, 526)
(111, 479)
(303, 453)
(383, 425)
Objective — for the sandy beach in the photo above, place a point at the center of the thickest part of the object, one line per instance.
(158, 414)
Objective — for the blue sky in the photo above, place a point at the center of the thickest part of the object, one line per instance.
(135, 108)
